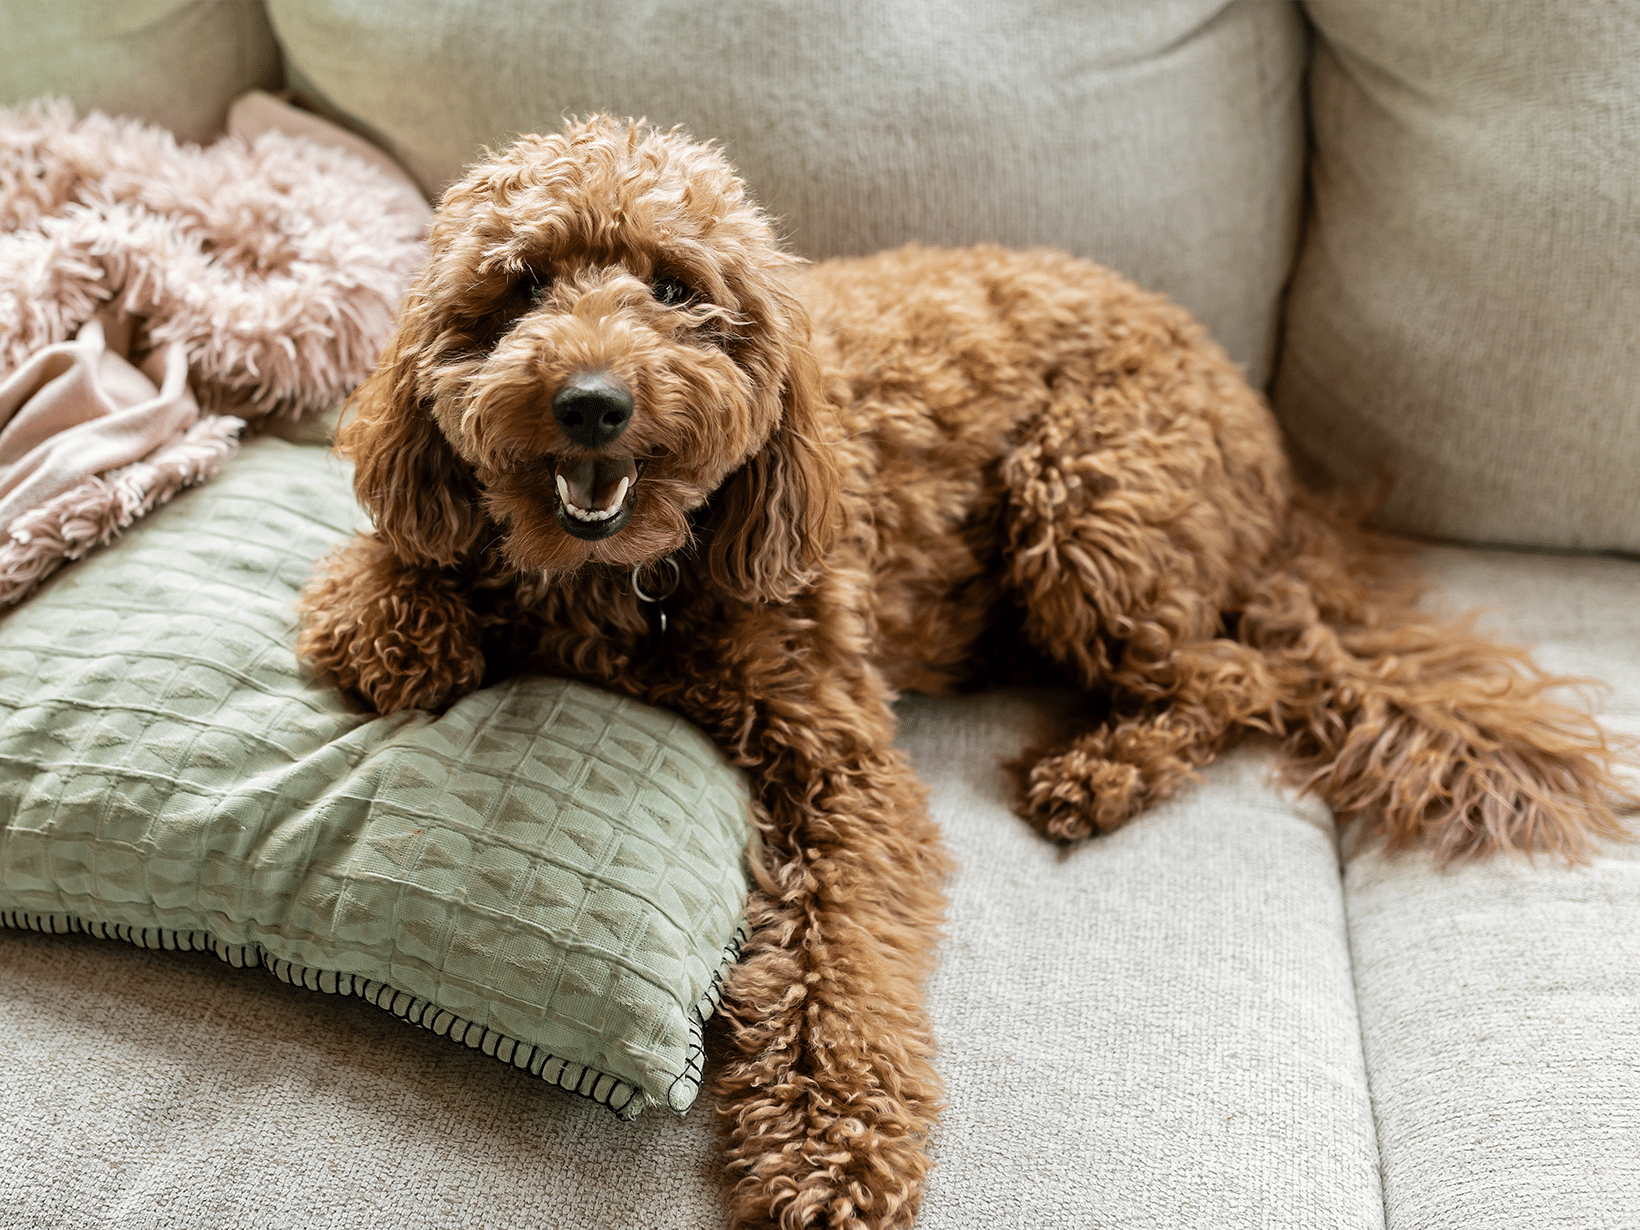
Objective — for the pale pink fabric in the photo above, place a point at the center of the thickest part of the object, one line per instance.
(264, 270)
(79, 408)
(258, 112)
(277, 263)
(95, 511)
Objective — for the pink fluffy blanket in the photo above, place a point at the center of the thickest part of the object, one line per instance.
(154, 297)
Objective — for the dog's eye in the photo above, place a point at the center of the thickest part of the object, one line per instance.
(671, 292)
(536, 286)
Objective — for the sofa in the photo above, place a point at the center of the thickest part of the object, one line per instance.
(1417, 225)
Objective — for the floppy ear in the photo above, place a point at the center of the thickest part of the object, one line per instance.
(423, 498)
(772, 522)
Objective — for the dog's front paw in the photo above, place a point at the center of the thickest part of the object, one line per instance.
(397, 638)
(395, 669)
(830, 1091)
(815, 1154)
(1076, 794)
(839, 1171)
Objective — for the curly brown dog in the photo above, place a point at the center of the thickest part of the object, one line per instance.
(858, 468)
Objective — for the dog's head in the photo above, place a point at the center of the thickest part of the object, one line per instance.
(603, 343)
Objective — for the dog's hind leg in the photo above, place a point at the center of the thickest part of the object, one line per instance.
(1414, 725)
(1139, 502)
(1162, 557)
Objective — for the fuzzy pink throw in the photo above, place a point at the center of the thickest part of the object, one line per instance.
(254, 277)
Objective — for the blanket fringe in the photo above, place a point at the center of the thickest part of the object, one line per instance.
(95, 511)
(278, 264)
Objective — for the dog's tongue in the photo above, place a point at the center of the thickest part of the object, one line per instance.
(594, 484)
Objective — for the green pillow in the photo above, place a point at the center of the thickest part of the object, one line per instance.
(547, 872)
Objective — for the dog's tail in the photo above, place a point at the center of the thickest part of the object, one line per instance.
(1425, 729)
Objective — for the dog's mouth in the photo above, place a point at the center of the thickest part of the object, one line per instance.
(595, 495)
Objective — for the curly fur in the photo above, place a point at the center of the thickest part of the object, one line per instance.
(863, 465)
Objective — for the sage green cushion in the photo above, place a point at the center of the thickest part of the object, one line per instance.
(548, 872)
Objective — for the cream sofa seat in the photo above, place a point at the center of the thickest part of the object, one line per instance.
(1207, 1020)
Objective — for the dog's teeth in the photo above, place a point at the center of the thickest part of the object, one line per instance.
(592, 514)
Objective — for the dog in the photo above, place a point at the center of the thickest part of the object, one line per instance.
(621, 435)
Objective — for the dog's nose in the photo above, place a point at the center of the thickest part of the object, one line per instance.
(592, 408)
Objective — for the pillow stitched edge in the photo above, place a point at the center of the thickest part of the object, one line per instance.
(626, 1100)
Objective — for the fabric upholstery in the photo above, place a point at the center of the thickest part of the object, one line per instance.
(1500, 1001)
(1164, 140)
(168, 1091)
(1157, 1030)
(1462, 317)
(178, 63)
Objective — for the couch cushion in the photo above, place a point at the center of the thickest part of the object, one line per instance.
(1156, 1030)
(179, 63)
(1500, 1001)
(546, 872)
(1165, 140)
(147, 1090)
(1462, 318)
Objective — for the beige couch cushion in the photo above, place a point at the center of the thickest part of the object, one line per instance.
(1154, 1030)
(168, 1091)
(1465, 316)
(1165, 139)
(179, 63)
(1500, 1002)
(1157, 1030)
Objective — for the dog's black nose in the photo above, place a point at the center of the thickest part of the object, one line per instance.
(592, 408)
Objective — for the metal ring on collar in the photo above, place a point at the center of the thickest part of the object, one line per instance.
(671, 588)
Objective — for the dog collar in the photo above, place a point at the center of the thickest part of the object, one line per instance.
(657, 593)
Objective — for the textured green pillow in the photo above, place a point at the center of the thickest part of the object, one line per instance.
(547, 872)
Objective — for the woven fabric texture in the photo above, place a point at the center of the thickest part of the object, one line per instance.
(1462, 319)
(1165, 140)
(177, 63)
(1156, 1030)
(1500, 1001)
(546, 872)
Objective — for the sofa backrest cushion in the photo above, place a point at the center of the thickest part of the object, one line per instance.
(179, 63)
(1465, 317)
(1164, 140)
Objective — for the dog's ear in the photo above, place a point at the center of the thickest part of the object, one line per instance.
(423, 498)
(772, 522)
